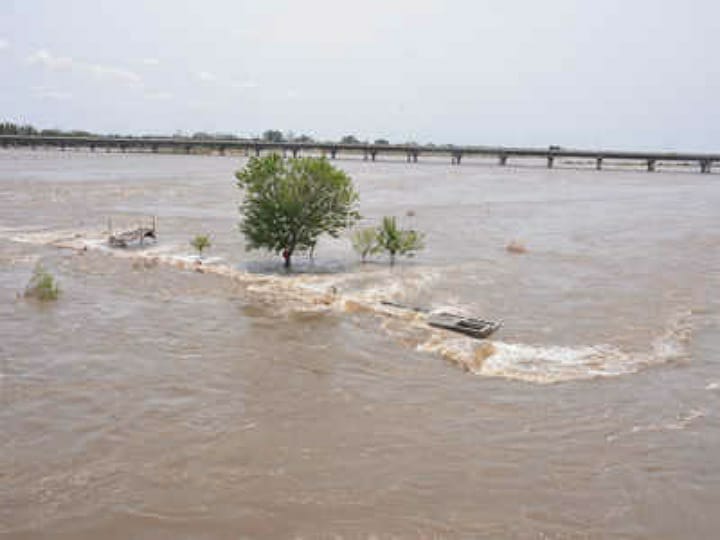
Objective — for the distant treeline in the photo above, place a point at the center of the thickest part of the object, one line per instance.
(271, 135)
(8, 128)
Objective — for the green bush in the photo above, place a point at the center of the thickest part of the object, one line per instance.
(42, 285)
(396, 241)
(365, 241)
(201, 242)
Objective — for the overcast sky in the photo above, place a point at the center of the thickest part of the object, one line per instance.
(578, 73)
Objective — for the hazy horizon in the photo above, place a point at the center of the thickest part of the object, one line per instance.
(513, 73)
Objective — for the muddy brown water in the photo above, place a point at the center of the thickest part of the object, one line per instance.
(152, 401)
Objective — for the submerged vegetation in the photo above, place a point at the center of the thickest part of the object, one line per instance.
(396, 241)
(387, 237)
(289, 204)
(42, 285)
(365, 242)
(201, 242)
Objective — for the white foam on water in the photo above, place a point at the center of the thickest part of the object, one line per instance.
(552, 364)
(555, 364)
(397, 287)
(42, 237)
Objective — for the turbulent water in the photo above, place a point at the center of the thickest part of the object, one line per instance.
(159, 398)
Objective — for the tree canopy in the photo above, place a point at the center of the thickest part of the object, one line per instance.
(273, 135)
(288, 204)
(350, 139)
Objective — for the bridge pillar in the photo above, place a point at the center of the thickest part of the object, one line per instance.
(221, 150)
(706, 166)
(456, 158)
(651, 165)
(155, 148)
(503, 159)
(408, 157)
(373, 154)
(333, 153)
(122, 148)
(62, 147)
(257, 151)
(550, 161)
(295, 153)
(92, 147)
(598, 163)
(365, 155)
(415, 157)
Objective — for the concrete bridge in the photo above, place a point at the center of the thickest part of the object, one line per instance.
(368, 151)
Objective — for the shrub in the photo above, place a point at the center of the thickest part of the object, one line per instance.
(201, 242)
(42, 285)
(365, 241)
(396, 241)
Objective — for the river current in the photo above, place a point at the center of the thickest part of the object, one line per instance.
(159, 398)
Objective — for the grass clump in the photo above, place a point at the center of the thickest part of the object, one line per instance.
(42, 285)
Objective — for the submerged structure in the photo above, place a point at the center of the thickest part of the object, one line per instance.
(132, 237)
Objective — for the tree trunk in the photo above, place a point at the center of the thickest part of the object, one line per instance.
(392, 258)
(287, 255)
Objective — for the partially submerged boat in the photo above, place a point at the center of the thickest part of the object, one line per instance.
(470, 326)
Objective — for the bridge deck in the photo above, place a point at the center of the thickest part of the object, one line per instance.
(368, 150)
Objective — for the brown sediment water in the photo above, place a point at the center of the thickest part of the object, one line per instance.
(161, 398)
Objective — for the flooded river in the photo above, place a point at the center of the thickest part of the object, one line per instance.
(155, 401)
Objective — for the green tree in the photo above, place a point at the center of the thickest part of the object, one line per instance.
(396, 241)
(201, 242)
(289, 204)
(273, 136)
(365, 241)
(350, 139)
(9, 128)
